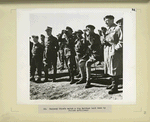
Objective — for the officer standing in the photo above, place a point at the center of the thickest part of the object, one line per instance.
(36, 60)
(94, 52)
(50, 54)
(69, 52)
(113, 52)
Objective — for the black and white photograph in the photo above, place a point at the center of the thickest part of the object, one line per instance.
(77, 54)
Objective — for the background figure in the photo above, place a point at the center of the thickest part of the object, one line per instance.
(61, 52)
(102, 36)
(120, 23)
(36, 60)
(50, 54)
(113, 52)
(94, 51)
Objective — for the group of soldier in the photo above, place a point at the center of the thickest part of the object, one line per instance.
(79, 53)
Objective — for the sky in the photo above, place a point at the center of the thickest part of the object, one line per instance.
(77, 20)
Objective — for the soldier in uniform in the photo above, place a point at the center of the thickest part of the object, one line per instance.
(42, 40)
(94, 52)
(113, 52)
(69, 52)
(43, 45)
(36, 60)
(50, 54)
(79, 47)
(61, 52)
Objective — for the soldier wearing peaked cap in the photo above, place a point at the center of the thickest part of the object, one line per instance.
(94, 54)
(113, 52)
(36, 61)
(79, 49)
(50, 54)
(69, 51)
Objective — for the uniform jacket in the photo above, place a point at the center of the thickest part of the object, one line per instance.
(80, 47)
(51, 48)
(69, 44)
(95, 45)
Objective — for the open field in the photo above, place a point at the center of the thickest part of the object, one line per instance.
(62, 90)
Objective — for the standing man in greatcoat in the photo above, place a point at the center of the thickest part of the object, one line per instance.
(113, 52)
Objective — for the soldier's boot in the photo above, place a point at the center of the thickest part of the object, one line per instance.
(110, 86)
(46, 74)
(88, 84)
(46, 78)
(54, 74)
(82, 80)
(38, 79)
(78, 76)
(32, 78)
(114, 89)
(72, 79)
(54, 78)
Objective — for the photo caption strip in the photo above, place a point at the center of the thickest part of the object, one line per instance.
(74, 108)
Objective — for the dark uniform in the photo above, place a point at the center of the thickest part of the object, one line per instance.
(50, 56)
(69, 54)
(94, 54)
(43, 45)
(79, 50)
(36, 60)
(61, 52)
(31, 45)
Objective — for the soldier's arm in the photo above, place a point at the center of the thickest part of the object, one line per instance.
(57, 46)
(119, 34)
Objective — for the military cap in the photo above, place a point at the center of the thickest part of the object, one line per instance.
(58, 34)
(90, 26)
(69, 28)
(120, 20)
(48, 28)
(109, 17)
(42, 35)
(85, 30)
(103, 28)
(79, 31)
(35, 36)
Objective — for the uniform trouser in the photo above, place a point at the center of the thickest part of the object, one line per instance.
(77, 57)
(85, 68)
(61, 57)
(51, 62)
(36, 63)
(70, 63)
